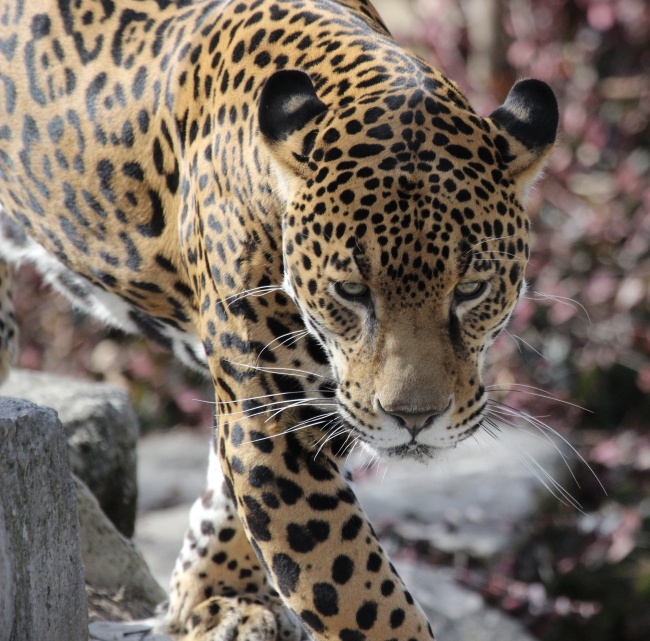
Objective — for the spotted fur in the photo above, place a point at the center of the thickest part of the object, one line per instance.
(304, 210)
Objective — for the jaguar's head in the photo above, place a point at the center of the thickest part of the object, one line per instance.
(405, 243)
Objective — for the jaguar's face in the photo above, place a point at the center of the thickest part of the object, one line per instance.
(405, 246)
(406, 299)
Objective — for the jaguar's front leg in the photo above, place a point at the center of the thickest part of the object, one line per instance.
(312, 537)
(219, 588)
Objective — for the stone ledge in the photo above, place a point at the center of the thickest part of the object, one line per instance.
(102, 432)
(42, 593)
(114, 569)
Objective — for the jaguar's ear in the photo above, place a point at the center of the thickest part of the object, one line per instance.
(287, 104)
(529, 118)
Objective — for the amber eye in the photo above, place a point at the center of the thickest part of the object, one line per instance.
(351, 290)
(469, 290)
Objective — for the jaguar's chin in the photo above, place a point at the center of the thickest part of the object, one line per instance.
(410, 451)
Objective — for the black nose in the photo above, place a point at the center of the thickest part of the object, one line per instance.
(414, 422)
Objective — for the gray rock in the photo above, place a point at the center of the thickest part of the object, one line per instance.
(159, 536)
(455, 613)
(172, 471)
(185, 452)
(457, 502)
(41, 578)
(102, 432)
(113, 567)
(144, 630)
(476, 501)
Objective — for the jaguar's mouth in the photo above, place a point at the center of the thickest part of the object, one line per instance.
(415, 450)
(412, 451)
(348, 434)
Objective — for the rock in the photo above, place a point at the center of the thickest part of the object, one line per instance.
(41, 578)
(456, 613)
(474, 488)
(126, 631)
(476, 501)
(159, 535)
(118, 580)
(183, 451)
(172, 471)
(102, 433)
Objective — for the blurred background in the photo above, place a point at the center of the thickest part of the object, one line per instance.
(581, 335)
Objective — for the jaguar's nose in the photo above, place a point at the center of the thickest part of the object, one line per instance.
(415, 422)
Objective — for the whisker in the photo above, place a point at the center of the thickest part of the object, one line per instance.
(542, 394)
(543, 437)
(544, 426)
(296, 428)
(316, 419)
(301, 332)
(510, 257)
(351, 447)
(515, 341)
(290, 371)
(487, 239)
(312, 422)
(527, 344)
(287, 404)
(372, 459)
(336, 431)
(562, 300)
(501, 415)
(564, 495)
(255, 291)
(307, 401)
(347, 438)
(254, 398)
(555, 488)
(328, 432)
(289, 430)
(493, 425)
(293, 341)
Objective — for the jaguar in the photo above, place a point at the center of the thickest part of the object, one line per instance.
(308, 213)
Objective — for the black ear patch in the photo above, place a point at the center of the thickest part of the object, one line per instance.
(529, 114)
(288, 102)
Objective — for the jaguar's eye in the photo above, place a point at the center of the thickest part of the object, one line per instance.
(351, 290)
(469, 290)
